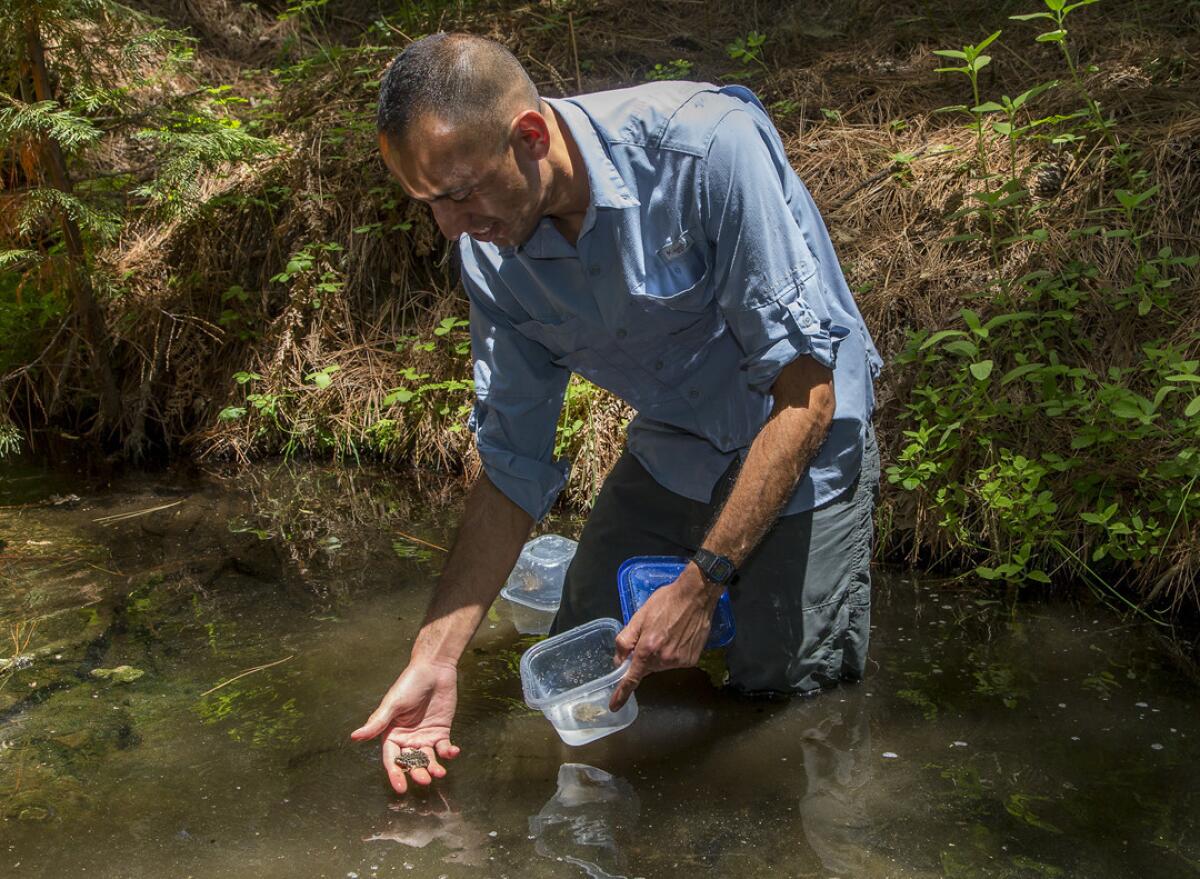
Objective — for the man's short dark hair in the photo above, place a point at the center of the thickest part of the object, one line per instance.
(459, 78)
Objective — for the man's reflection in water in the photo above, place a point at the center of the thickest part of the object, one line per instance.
(835, 739)
(581, 822)
(757, 768)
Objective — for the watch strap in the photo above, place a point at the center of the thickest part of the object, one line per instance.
(717, 569)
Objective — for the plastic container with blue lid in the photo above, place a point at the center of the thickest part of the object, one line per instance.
(641, 575)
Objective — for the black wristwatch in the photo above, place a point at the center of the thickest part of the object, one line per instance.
(717, 569)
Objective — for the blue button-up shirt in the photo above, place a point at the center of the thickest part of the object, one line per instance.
(701, 269)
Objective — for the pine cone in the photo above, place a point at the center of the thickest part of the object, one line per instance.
(1049, 179)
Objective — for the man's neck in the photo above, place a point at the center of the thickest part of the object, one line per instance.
(570, 192)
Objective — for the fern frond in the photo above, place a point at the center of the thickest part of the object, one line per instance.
(48, 119)
(189, 154)
(40, 203)
(10, 258)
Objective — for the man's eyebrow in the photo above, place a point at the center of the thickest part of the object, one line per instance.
(447, 193)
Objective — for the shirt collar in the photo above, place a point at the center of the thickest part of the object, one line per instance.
(608, 187)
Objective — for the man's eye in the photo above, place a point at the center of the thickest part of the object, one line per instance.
(461, 195)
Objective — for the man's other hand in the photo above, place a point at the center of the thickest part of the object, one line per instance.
(416, 712)
(668, 631)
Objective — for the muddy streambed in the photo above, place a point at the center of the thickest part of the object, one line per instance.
(993, 738)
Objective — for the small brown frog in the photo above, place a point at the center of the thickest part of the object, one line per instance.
(587, 712)
(412, 758)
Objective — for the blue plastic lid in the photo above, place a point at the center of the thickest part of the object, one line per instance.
(642, 574)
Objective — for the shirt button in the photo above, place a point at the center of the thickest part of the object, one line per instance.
(694, 393)
(658, 364)
(594, 270)
(621, 333)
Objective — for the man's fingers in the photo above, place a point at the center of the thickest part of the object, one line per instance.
(396, 775)
(421, 776)
(375, 724)
(629, 683)
(446, 750)
(627, 638)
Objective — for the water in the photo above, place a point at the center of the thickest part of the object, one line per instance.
(990, 739)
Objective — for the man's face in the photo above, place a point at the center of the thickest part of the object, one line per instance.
(491, 194)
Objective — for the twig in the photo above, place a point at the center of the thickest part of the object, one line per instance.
(422, 542)
(574, 50)
(248, 671)
(121, 517)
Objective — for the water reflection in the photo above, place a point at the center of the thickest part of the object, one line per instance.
(594, 819)
(580, 824)
(418, 823)
(839, 770)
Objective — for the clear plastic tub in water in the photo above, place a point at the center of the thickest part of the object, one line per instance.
(534, 588)
(639, 576)
(571, 678)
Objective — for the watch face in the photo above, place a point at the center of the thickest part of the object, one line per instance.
(720, 569)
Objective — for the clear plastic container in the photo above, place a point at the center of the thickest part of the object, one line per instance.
(534, 588)
(571, 678)
(639, 576)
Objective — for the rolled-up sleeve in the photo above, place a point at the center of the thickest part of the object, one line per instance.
(769, 283)
(518, 396)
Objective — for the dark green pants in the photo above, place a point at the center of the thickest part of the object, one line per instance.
(802, 605)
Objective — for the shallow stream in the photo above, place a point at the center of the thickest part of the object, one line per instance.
(993, 737)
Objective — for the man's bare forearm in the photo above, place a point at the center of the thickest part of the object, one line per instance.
(489, 539)
(778, 457)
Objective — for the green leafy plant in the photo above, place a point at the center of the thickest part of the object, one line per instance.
(677, 68)
(748, 51)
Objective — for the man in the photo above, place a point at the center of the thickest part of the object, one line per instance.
(656, 241)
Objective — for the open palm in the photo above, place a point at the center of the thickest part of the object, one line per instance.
(416, 712)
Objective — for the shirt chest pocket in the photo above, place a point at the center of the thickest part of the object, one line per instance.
(676, 303)
(677, 276)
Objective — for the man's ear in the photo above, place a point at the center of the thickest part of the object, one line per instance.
(531, 134)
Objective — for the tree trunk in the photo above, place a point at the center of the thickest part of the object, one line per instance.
(87, 310)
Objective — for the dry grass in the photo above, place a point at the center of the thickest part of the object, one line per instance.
(870, 62)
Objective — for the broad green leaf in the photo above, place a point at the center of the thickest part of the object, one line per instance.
(1051, 36)
(231, 413)
(963, 348)
(1019, 371)
(939, 336)
(981, 62)
(982, 369)
(1002, 319)
(400, 395)
(987, 42)
(1030, 16)
(987, 107)
(950, 53)
(1192, 408)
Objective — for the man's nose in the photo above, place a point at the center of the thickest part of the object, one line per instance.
(450, 218)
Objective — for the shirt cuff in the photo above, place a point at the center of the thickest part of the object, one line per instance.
(775, 334)
(531, 484)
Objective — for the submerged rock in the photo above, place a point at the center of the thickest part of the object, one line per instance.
(122, 674)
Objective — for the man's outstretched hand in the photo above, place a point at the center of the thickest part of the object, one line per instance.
(416, 712)
(668, 631)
